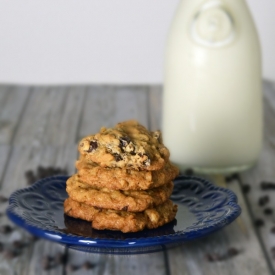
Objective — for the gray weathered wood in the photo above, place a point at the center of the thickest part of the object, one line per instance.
(12, 103)
(155, 102)
(191, 258)
(44, 130)
(107, 105)
(264, 171)
(51, 116)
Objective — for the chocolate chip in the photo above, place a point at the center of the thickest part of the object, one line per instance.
(267, 185)
(3, 198)
(246, 188)
(125, 208)
(232, 252)
(60, 258)
(98, 208)
(213, 257)
(46, 262)
(268, 211)
(10, 254)
(263, 200)
(5, 229)
(232, 177)
(259, 222)
(87, 265)
(71, 268)
(18, 244)
(272, 230)
(124, 141)
(189, 172)
(93, 146)
(117, 157)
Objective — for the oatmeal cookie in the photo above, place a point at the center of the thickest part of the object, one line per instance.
(122, 178)
(121, 220)
(127, 145)
(131, 200)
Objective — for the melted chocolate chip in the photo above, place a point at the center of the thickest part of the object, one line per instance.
(259, 222)
(268, 211)
(267, 185)
(246, 188)
(263, 200)
(125, 208)
(117, 157)
(93, 146)
(87, 265)
(124, 141)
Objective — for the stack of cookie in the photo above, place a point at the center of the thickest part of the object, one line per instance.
(124, 180)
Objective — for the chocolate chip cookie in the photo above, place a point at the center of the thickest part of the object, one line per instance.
(131, 200)
(122, 178)
(121, 220)
(127, 145)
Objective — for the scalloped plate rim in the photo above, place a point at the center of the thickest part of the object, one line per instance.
(71, 240)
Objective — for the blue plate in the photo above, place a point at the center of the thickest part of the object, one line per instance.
(203, 209)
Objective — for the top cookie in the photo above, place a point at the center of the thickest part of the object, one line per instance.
(127, 145)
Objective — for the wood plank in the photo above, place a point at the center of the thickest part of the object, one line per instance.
(116, 264)
(51, 116)
(155, 110)
(12, 103)
(107, 105)
(264, 171)
(191, 258)
(29, 158)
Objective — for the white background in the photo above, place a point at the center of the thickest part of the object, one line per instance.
(99, 41)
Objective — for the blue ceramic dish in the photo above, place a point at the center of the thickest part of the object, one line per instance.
(203, 209)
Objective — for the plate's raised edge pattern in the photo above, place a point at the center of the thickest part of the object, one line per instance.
(177, 236)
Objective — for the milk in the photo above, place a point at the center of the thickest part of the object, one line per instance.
(212, 104)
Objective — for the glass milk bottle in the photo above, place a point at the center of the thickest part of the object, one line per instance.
(212, 104)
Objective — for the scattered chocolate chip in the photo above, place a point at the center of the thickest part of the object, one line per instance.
(259, 222)
(5, 229)
(268, 211)
(18, 244)
(46, 262)
(246, 188)
(189, 172)
(60, 258)
(272, 230)
(87, 265)
(10, 254)
(263, 200)
(33, 238)
(232, 177)
(117, 157)
(125, 208)
(213, 257)
(3, 199)
(71, 268)
(267, 185)
(42, 172)
(232, 252)
(93, 146)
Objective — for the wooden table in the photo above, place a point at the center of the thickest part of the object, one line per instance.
(40, 126)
